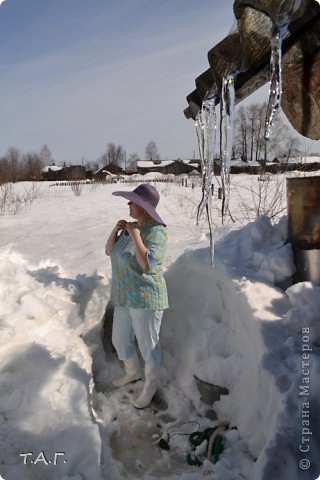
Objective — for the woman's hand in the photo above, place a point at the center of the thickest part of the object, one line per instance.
(132, 228)
(134, 232)
(120, 225)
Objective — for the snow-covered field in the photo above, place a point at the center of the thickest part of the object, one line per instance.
(240, 325)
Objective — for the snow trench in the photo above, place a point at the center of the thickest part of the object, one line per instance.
(228, 325)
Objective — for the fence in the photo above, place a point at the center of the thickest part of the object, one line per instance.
(184, 182)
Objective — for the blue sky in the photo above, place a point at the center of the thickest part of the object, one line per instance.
(77, 74)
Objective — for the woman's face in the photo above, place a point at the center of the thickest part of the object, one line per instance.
(136, 211)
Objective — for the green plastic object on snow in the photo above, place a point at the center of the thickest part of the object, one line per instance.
(197, 439)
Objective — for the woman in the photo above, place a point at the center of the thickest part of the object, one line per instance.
(138, 289)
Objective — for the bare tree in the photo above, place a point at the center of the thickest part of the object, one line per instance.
(46, 155)
(242, 146)
(132, 162)
(4, 171)
(76, 175)
(15, 167)
(114, 155)
(264, 195)
(249, 132)
(31, 167)
(152, 151)
(250, 143)
(89, 165)
(12, 200)
(291, 147)
(13, 157)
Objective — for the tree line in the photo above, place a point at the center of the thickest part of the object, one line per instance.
(249, 142)
(18, 167)
(116, 155)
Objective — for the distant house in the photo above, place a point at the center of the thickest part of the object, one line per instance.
(175, 167)
(302, 163)
(278, 165)
(59, 173)
(75, 172)
(298, 160)
(108, 171)
(51, 172)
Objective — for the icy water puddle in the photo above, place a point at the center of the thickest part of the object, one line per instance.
(134, 446)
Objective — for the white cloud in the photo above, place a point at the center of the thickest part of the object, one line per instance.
(1, 1)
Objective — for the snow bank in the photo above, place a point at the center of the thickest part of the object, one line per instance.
(231, 328)
(258, 251)
(45, 375)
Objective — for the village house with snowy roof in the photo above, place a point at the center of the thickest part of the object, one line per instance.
(175, 167)
(63, 173)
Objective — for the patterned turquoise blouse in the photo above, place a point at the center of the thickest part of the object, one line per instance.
(131, 286)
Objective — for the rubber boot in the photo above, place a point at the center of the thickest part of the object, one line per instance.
(149, 388)
(132, 369)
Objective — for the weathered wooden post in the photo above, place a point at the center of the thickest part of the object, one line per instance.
(303, 200)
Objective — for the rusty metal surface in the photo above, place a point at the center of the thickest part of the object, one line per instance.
(303, 200)
(308, 265)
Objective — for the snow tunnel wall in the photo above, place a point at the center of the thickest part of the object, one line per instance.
(212, 330)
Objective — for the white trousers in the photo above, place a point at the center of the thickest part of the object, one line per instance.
(129, 323)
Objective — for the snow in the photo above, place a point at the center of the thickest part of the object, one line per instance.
(164, 163)
(241, 325)
(53, 168)
(300, 160)
(151, 163)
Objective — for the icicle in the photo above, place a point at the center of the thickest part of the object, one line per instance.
(278, 32)
(227, 106)
(206, 133)
(206, 125)
(275, 89)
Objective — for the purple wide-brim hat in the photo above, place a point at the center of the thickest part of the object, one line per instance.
(147, 197)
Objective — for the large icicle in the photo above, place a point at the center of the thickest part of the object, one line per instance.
(275, 89)
(206, 125)
(286, 8)
(227, 107)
